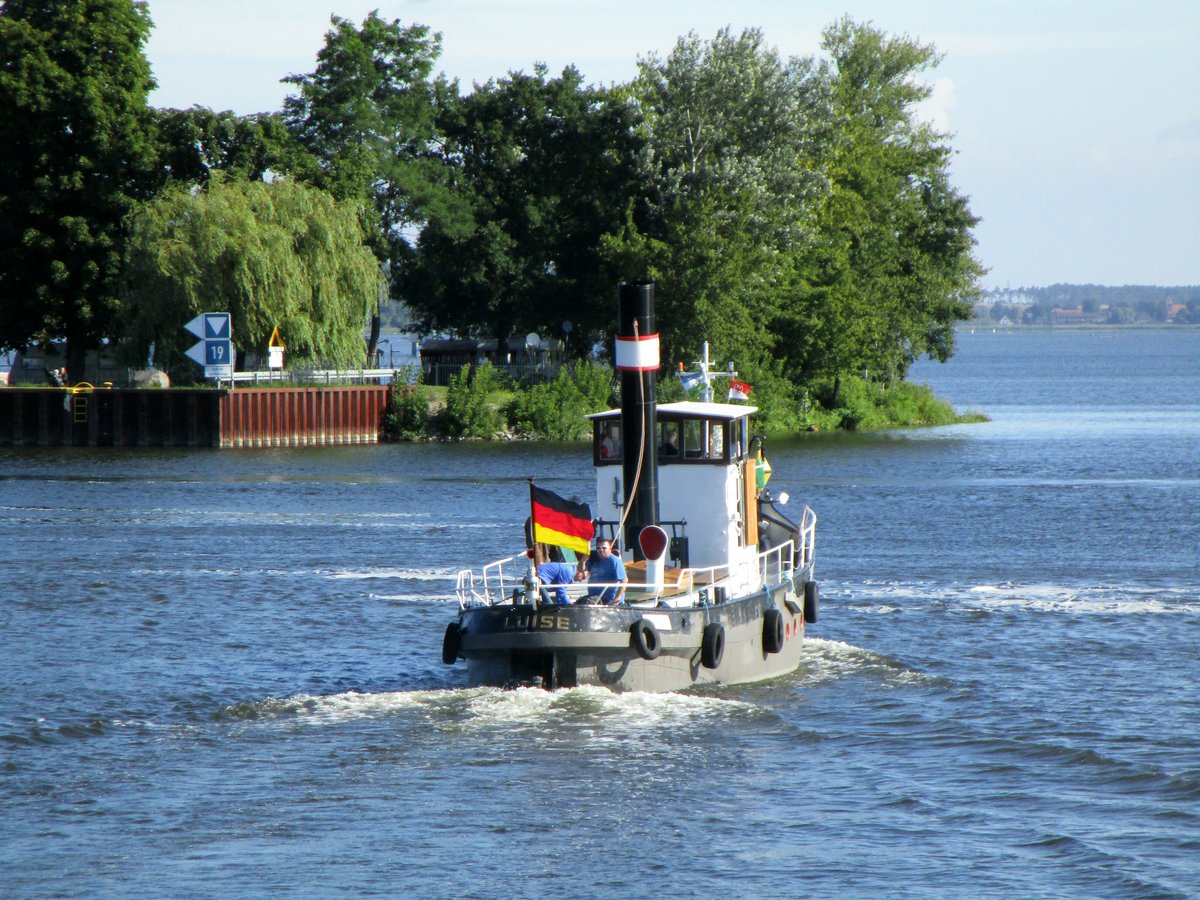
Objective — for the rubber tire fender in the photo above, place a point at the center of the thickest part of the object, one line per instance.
(772, 631)
(712, 645)
(451, 643)
(812, 599)
(645, 640)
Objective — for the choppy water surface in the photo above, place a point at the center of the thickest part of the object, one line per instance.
(220, 671)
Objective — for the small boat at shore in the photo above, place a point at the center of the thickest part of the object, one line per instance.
(719, 580)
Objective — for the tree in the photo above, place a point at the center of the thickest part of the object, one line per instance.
(193, 143)
(545, 168)
(892, 271)
(76, 152)
(278, 254)
(366, 118)
(735, 136)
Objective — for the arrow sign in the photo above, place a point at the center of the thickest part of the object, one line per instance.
(196, 353)
(215, 349)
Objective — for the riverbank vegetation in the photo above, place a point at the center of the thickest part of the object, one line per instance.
(479, 408)
(796, 213)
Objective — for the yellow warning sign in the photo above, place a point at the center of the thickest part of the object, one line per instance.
(275, 340)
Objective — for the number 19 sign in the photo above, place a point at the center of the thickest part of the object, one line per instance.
(215, 349)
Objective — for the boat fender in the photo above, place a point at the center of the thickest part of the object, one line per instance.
(772, 631)
(712, 645)
(451, 643)
(812, 598)
(645, 640)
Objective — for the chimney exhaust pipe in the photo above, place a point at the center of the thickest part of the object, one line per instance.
(637, 359)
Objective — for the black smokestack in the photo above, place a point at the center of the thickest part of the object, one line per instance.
(637, 360)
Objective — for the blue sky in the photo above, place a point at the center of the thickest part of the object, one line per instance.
(1076, 123)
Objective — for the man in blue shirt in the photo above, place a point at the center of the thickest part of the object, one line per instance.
(556, 573)
(606, 568)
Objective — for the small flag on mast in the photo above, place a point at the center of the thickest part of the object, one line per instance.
(560, 522)
(739, 390)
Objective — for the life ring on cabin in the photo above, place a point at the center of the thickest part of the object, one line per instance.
(645, 640)
(812, 598)
(772, 631)
(712, 645)
(451, 643)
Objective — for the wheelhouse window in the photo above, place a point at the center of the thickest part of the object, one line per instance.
(693, 440)
(606, 440)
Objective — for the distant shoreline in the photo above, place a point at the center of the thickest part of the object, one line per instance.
(1091, 326)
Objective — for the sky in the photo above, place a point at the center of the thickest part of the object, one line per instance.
(1075, 123)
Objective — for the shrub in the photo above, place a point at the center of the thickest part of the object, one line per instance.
(407, 415)
(862, 404)
(469, 412)
(556, 410)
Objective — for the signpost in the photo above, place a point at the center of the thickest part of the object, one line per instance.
(214, 351)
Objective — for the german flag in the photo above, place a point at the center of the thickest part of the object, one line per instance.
(560, 522)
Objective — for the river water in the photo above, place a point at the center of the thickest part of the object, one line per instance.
(220, 671)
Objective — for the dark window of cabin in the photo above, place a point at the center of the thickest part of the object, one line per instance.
(606, 442)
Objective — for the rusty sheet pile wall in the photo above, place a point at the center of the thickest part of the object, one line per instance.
(302, 417)
(246, 417)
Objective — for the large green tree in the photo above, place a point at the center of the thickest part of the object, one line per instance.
(366, 117)
(892, 270)
(736, 136)
(546, 167)
(278, 254)
(76, 152)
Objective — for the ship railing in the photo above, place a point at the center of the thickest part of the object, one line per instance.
(808, 539)
(777, 564)
(493, 583)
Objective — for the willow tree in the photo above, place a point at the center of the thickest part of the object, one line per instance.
(272, 254)
(75, 155)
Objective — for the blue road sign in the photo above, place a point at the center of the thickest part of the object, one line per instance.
(216, 326)
(217, 353)
(214, 350)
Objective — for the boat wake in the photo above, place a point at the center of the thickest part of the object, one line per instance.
(1099, 599)
(825, 661)
(891, 597)
(487, 708)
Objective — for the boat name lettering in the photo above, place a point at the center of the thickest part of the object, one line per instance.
(542, 622)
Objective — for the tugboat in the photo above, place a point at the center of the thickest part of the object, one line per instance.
(719, 580)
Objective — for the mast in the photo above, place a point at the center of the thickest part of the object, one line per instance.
(637, 359)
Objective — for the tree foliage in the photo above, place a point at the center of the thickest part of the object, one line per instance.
(735, 137)
(75, 154)
(546, 168)
(366, 117)
(277, 254)
(892, 269)
(194, 143)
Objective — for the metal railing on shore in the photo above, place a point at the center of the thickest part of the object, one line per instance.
(319, 376)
